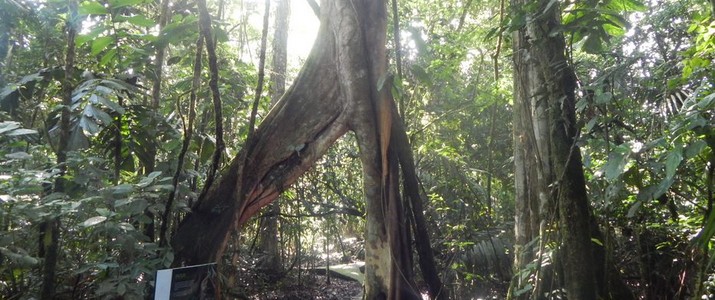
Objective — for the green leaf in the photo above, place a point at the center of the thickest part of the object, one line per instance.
(126, 226)
(695, 148)
(614, 30)
(592, 44)
(146, 181)
(94, 221)
(707, 102)
(672, 161)
(19, 256)
(8, 126)
(634, 209)
(141, 21)
(108, 57)
(92, 8)
(89, 127)
(123, 3)
(627, 5)
(524, 290)
(123, 189)
(121, 289)
(617, 161)
(22, 131)
(421, 74)
(103, 212)
(100, 43)
(591, 123)
(18, 155)
(707, 232)
(603, 98)
(597, 241)
(111, 105)
(549, 6)
(101, 116)
(381, 81)
(173, 60)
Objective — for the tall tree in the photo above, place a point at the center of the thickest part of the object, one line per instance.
(50, 229)
(552, 203)
(340, 88)
(269, 242)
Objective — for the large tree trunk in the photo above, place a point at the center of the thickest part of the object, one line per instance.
(548, 164)
(335, 91)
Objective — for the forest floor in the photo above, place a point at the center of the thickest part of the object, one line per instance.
(316, 287)
(343, 282)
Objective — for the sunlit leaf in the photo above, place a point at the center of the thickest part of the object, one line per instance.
(123, 3)
(100, 43)
(627, 5)
(92, 8)
(22, 131)
(141, 20)
(597, 241)
(94, 221)
(111, 105)
(88, 125)
(108, 57)
(7, 126)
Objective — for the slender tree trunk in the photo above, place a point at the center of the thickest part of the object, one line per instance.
(149, 228)
(4, 50)
(50, 230)
(206, 32)
(269, 243)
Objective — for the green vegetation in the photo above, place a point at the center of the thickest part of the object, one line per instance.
(99, 130)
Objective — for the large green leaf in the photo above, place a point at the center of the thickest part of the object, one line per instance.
(672, 160)
(90, 36)
(94, 221)
(11, 128)
(100, 43)
(108, 57)
(92, 8)
(123, 3)
(617, 160)
(626, 5)
(141, 20)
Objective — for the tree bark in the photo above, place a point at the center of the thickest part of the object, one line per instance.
(336, 91)
(546, 128)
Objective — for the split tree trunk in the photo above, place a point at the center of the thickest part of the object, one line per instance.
(336, 91)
